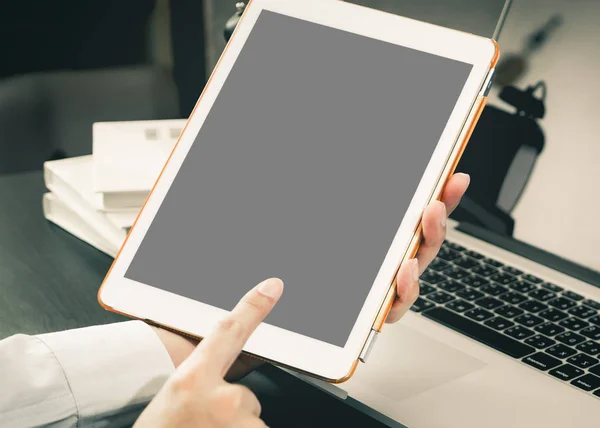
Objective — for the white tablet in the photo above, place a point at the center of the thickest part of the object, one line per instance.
(322, 134)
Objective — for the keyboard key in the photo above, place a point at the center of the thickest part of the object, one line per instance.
(597, 393)
(592, 304)
(474, 255)
(469, 294)
(589, 347)
(595, 320)
(456, 273)
(421, 305)
(494, 289)
(512, 270)
(480, 333)
(454, 246)
(523, 286)
(439, 265)
(570, 338)
(573, 324)
(532, 278)
(489, 303)
(503, 278)
(582, 312)
(465, 262)
(542, 361)
(499, 323)
(549, 329)
(509, 311)
(432, 277)
(513, 297)
(519, 332)
(573, 296)
(451, 286)
(562, 303)
(459, 305)
(553, 315)
(561, 351)
(566, 372)
(592, 332)
(440, 297)
(484, 270)
(595, 370)
(540, 342)
(448, 254)
(552, 287)
(479, 314)
(587, 382)
(528, 320)
(582, 361)
(533, 306)
(493, 262)
(542, 294)
(474, 281)
(425, 289)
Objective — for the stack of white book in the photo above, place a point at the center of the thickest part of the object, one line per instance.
(98, 197)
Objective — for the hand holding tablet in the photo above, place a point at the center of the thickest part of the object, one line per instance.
(322, 135)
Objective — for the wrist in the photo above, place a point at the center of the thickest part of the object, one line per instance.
(178, 347)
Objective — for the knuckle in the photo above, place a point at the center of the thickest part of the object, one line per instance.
(183, 383)
(253, 423)
(232, 326)
(255, 303)
(225, 404)
(414, 292)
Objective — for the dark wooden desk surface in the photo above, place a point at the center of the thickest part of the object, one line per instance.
(48, 278)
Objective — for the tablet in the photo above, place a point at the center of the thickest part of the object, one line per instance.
(322, 134)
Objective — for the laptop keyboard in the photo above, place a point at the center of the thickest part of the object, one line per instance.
(543, 325)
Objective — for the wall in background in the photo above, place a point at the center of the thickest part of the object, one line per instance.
(559, 209)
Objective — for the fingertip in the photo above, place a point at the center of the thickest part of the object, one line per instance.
(272, 288)
(407, 278)
(415, 270)
(464, 178)
(436, 207)
(435, 214)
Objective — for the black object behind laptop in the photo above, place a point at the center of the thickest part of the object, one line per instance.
(496, 159)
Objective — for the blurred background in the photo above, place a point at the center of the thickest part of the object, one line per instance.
(67, 64)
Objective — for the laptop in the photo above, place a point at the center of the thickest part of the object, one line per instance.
(504, 334)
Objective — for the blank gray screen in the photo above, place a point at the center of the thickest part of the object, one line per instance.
(303, 170)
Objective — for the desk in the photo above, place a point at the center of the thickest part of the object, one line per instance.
(49, 280)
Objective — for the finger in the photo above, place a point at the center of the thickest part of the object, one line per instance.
(221, 347)
(407, 290)
(252, 423)
(455, 190)
(243, 365)
(434, 233)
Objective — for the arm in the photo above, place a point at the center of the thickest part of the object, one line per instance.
(78, 377)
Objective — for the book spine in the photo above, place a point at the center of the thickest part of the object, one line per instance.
(60, 215)
(95, 220)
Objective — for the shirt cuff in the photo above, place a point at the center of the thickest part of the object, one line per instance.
(111, 368)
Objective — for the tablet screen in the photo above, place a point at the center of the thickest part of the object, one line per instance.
(303, 170)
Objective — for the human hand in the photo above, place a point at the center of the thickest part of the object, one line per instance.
(197, 394)
(180, 347)
(434, 233)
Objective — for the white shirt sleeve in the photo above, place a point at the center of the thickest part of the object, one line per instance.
(101, 376)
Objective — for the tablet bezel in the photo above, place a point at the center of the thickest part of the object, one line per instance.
(272, 343)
